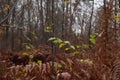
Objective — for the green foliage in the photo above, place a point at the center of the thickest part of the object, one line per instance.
(55, 40)
(66, 49)
(93, 41)
(34, 35)
(48, 29)
(36, 63)
(27, 38)
(66, 42)
(72, 47)
(92, 38)
(78, 47)
(32, 62)
(39, 62)
(51, 39)
(29, 47)
(30, 56)
(58, 65)
(61, 45)
(85, 46)
(25, 54)
(75, 53)
(88, 61)
(65, 45)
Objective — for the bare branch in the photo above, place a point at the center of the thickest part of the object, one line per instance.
(11, 10)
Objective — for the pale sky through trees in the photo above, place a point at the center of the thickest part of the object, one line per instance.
(98, 3)
(86, 10)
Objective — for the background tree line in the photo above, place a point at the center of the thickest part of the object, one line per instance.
(35, 21)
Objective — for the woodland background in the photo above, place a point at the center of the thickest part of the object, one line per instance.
(72, 20)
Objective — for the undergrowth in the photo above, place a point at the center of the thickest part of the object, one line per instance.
(99, 63)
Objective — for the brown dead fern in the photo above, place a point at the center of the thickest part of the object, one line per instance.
(115, 71)
(106, 41)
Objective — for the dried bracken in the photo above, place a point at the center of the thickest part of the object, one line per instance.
(100, 63)
(63, 76)
(115, 71)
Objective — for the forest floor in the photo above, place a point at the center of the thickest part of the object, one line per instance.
(40, 64)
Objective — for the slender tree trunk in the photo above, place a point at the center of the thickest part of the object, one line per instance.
(7, 28)
(42, 21)
(12, 26)
(91, 17)
(106, 26)
(115, 33)
(63, 19)
(12, 30)
(53, 46)
(119, 12)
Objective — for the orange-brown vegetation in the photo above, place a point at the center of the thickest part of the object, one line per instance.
(100, 63)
